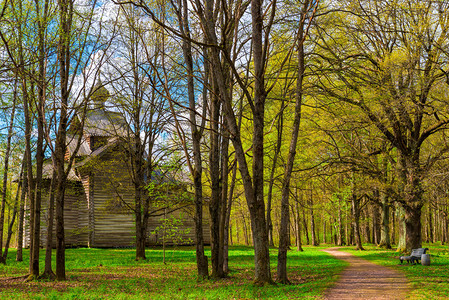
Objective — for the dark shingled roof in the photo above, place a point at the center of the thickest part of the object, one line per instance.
(84, 148)
(98, 152)
(47, 172)
(101, 122)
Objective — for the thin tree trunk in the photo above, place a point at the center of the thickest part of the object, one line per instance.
(48, 271)
(376, 227)
(216, 197)
(324, 232)
(306, 230)
(356, 224)
(245, 230)
(341, 240)
(227, 223)
(393, 226)
(429, 225)
(5, 170)
(312, 221)
(224, 200)
(385, 219)
(24, 180)
(277, 150)
(285, 205)
(196, 133)
(13, 218)
(366, 225)
(401, 230)
(298, 228)
(40, 107)
(253, 185)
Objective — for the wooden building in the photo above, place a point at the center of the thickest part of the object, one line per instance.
(100, 194)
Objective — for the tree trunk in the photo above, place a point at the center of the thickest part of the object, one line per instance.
(285, 214)
(366, 227)
(410, 177)
(227, 224)
(141, 201)
(196, 133)
(385, 219)
(5, 170)
(298, 227)
(277, 150)
(356, 224)
(413, 238)
(245, 230)
(341, 240)
(401, 230)
(324, 231)
(429, 225)
(48, 271)
(19, 254)
(40, 107)
(13, 218)
(312, 222)
(253, 186)
(306, 230)
(215, 203)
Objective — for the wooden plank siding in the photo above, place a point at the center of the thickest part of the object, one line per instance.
(98, 210)
(112, 195)
(75, 217)
(186, 215)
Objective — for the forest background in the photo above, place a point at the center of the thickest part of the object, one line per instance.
(294, 121)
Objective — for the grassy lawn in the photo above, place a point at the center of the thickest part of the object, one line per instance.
(114, 274)
(428, 282)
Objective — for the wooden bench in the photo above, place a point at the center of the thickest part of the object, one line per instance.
(415, 256)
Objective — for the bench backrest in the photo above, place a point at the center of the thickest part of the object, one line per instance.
(418, 252)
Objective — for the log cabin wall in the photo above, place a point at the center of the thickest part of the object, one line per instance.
(75, 217)
(112, 197)
(186, 234)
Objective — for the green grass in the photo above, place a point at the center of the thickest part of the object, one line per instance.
(114, 274)
(427, 282)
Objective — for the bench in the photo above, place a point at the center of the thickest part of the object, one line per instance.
(415, 256)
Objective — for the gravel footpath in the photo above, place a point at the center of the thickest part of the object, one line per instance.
(365, 280)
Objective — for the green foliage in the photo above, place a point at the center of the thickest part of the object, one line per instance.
(114, 274)
(171, 229)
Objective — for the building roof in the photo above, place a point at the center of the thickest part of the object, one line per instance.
(83, 150)
(102, 122)
(98, 152)
(47, 172)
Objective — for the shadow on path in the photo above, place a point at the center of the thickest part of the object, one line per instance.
(365, 280)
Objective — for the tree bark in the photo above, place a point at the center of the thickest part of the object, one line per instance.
(341, 232)
(14, 215)
(356, 216)
(5, 171)
(48, 271)
(227, 228)
(385, 221)
(284, 238)
(277, 150)
(298, 227)
(215, 204)
(304, 223)
(312, 221)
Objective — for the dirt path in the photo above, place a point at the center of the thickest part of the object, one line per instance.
(365, 280)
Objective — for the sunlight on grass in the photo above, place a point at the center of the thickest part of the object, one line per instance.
(114, 274)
